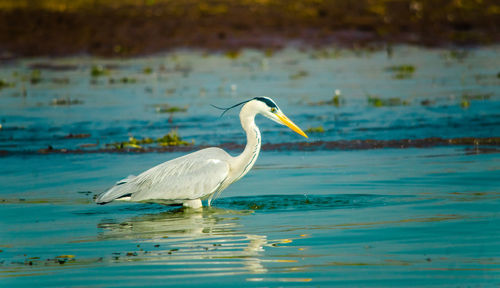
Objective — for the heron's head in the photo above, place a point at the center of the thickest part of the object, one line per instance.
(268, 108)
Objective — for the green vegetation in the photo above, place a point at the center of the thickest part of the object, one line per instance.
(336, 101)
(465, 104)
(60, 81)
(147, 70)
(376, 101)
(234, 54)
(166, 108)
(402, 71)
(98, 71)
(456, 54)
(318, 129)
(325, 54)
(36, 76)
(299, 74)
(5, 84)
(170, 139)
(123, 80)
(427, 102)
(269, 52)
(478, 96)
(66, 101)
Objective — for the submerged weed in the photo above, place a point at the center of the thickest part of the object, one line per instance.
(402, 71)
(166, 108)
(234, 54)
(5, 84)
(299, 74)
(170, 139)
(124, 80)
(465, 104)
(336, 100)
(476, 96)
(318, 129)
(98, 71)
(65, 101)
(376, 101)
(456, 54)
(36, 76)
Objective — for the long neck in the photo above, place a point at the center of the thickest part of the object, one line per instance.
(245, 160)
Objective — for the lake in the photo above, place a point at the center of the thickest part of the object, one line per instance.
(309, 215)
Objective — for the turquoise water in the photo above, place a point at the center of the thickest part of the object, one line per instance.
(377, 218)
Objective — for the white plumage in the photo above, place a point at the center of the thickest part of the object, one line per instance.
(189, 179)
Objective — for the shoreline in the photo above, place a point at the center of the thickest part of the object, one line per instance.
(139, 30)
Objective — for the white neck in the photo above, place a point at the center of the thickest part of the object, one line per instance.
(244, 162)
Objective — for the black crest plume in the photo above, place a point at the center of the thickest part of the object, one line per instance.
(229, 108)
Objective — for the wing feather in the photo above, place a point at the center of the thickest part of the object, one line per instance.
(192, 176)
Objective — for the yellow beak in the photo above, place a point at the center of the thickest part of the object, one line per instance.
(290, 124)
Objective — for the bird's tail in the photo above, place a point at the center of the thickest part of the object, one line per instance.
(120, 190)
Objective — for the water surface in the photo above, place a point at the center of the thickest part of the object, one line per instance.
(346, 217)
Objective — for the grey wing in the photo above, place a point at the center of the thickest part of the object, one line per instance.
(189, 177)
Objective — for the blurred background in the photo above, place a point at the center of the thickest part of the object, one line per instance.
(397, 185)
(135, 27)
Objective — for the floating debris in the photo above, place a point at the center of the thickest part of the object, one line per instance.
(88, 145)
(478, 96)
(235, 54)
(77, 136)
(98, 71)
(170, 139)
(336, 100)
(61, 81)
(64, 258)
(65, 101)
(427, 102)
(465, 104)
(325, 54)
(53, 67)
(166, 108)
(124, 80)
(318, 129)
(376, 101)
(456, 54)
(6, 84)
(36, 76)
(299, 74)
(402, 71)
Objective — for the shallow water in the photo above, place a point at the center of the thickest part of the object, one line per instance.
(400, 217)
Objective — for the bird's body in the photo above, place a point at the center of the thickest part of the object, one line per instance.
(202, 174)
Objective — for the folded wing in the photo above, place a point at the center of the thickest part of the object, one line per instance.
(193, 176)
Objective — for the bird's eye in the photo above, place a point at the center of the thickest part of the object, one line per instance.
(273, 109)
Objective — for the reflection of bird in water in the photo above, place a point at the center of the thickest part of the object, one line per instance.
(201, 174)
(177, 222)
(187, 235)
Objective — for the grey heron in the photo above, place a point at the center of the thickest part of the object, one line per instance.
(202, 174)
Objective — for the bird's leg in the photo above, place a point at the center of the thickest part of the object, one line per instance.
(195, 204)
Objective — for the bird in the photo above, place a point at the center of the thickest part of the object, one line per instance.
(204, 174)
